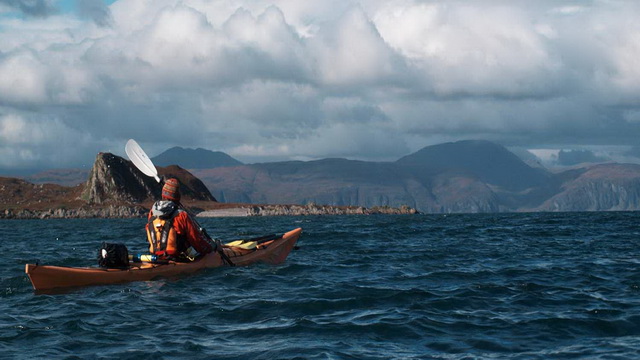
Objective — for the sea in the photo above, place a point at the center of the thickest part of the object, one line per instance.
(467, 286)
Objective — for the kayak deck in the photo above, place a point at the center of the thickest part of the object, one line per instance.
(45, 277)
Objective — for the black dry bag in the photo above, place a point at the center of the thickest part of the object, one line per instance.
(113, 256)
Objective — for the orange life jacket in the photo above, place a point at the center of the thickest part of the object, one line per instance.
(162, 237)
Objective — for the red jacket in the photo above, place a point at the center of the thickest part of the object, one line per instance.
(184, 226)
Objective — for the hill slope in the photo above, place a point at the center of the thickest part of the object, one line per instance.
(483, 160)
(64, 177)
(466, 176)
(194, 158)
(601, 187)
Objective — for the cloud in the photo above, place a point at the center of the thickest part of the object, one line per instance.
(574, 157)
(24, 78)
(36, 8)
(289, 79)
(472, 48)
(27, 143)
(351, 53)
(95, 10)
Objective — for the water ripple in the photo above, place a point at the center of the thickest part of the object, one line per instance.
(492, 286)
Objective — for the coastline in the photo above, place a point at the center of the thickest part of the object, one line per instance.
(85, 212)
(229, 210)
(304, 210)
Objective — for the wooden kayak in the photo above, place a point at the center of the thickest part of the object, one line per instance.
(44, 277)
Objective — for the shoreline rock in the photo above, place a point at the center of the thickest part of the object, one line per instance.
(305, 210)
(120, 211)
(80, 213)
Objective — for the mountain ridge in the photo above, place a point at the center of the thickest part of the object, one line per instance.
(116, 188)
(194, 158)
(459, 177)
(464, 176)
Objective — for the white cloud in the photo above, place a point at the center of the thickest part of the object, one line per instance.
(350, 52)
(175, 40)
(363, 79)
(568, 10)
(624, 55)
(475, 48)
(24, 78)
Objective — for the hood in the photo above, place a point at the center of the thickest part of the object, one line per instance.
(163, 208)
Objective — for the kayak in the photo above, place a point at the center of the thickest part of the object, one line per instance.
(274, 251)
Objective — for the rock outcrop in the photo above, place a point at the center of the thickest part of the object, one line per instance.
(116, 180)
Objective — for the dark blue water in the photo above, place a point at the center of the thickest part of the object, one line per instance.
(516, 286)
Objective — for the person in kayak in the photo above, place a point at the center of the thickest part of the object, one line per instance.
(171, 232)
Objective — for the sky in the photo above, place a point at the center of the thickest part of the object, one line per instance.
(300, 80)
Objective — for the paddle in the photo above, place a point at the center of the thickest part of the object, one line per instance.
(140, 159)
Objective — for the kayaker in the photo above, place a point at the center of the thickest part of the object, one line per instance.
(171, 232)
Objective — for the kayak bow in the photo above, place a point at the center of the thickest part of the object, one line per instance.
(44, 277)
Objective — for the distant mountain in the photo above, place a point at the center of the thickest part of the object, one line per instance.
(435, 179)
(482, 160)
(328, 181)
(597, 188)
(194, 158)
(528, 158)
(460, 177)
(465, 176)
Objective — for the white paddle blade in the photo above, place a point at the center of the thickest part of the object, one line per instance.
(140, 159)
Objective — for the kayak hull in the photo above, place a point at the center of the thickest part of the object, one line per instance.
(45, 277)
